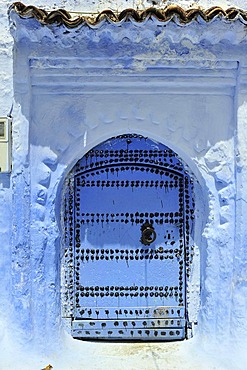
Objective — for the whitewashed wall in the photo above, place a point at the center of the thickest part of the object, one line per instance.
(6, 100)
(208, 132)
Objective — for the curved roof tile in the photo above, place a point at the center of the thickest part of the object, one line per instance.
(170, 12)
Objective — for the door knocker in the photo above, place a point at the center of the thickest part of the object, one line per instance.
(148, 234)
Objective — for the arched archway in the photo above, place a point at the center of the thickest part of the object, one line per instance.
(128, 217)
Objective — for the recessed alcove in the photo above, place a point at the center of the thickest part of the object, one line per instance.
(130, 257)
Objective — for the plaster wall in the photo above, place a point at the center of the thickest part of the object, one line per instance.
(55, 123)
(6, 100)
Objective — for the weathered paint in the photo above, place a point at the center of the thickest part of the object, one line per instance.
(197, 107)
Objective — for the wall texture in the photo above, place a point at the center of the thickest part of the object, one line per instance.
(55, 124)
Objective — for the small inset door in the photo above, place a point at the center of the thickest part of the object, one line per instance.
(131, 204)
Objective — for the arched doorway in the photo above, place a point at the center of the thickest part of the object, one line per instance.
(128, 219)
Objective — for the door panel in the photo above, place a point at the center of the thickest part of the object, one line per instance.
(132, 200)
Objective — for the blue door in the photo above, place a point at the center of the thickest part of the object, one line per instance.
(132, 220)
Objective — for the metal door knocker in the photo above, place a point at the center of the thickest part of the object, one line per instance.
(148, 234)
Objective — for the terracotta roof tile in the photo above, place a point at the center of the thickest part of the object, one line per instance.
(170, 12)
